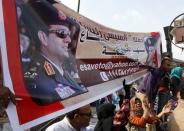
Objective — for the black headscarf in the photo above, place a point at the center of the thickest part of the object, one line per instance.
(105, 114)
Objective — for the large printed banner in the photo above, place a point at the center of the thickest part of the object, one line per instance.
(55, 60)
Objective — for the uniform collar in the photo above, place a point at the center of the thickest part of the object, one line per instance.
(59, 69)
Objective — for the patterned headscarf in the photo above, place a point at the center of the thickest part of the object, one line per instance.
(121, 117)
(133, 109)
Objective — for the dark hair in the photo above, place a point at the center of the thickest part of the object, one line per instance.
(71, 114)
(166, 54)
(105, 110)
(165, 59)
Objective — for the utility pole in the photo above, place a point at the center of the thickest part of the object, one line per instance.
(168, 38)
(78, 6)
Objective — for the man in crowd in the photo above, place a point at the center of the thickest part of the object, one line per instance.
(76, 120)
(169, 87)
(151, 81)
(47, 79)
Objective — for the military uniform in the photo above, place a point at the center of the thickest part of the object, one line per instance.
(46, 84)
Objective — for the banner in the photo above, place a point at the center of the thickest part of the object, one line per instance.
(55, 60)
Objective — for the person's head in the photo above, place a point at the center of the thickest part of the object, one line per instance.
(149, 43)
(56, 42)
(136, 106)
(125, 106)
(80, 117)
(166, 64)
(177, 72)
(121, 117)
(50, 29)
(19, 12)
(24, 42)
(105, 110)
(166, 54)
(19, 8)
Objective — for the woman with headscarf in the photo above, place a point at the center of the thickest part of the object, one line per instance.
(110, 121)
(105, 114)
(176, 75)
(140, 115)
(120, 119)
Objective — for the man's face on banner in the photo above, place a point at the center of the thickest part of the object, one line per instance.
(149, 43)
(150, 46)
(24, 42)
(59, 40)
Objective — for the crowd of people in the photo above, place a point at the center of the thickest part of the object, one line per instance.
(154, 104)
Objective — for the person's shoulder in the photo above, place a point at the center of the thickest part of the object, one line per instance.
(58, 126)
(38, 66)
(157, 72)
(37, 60)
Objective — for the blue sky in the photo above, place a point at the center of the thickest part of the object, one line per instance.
(132, 15)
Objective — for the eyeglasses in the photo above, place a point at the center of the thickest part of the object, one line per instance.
(61, 33)
(86, 114)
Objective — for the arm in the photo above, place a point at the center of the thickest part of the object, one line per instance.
(166, 109)
(6, 96)
(139, 121)
(152, 119)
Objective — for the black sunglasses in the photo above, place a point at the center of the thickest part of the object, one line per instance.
(61, 33)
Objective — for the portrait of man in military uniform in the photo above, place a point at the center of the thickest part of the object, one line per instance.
(150, 43)
(46, 78)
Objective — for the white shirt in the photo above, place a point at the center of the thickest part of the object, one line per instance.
(64, 125)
